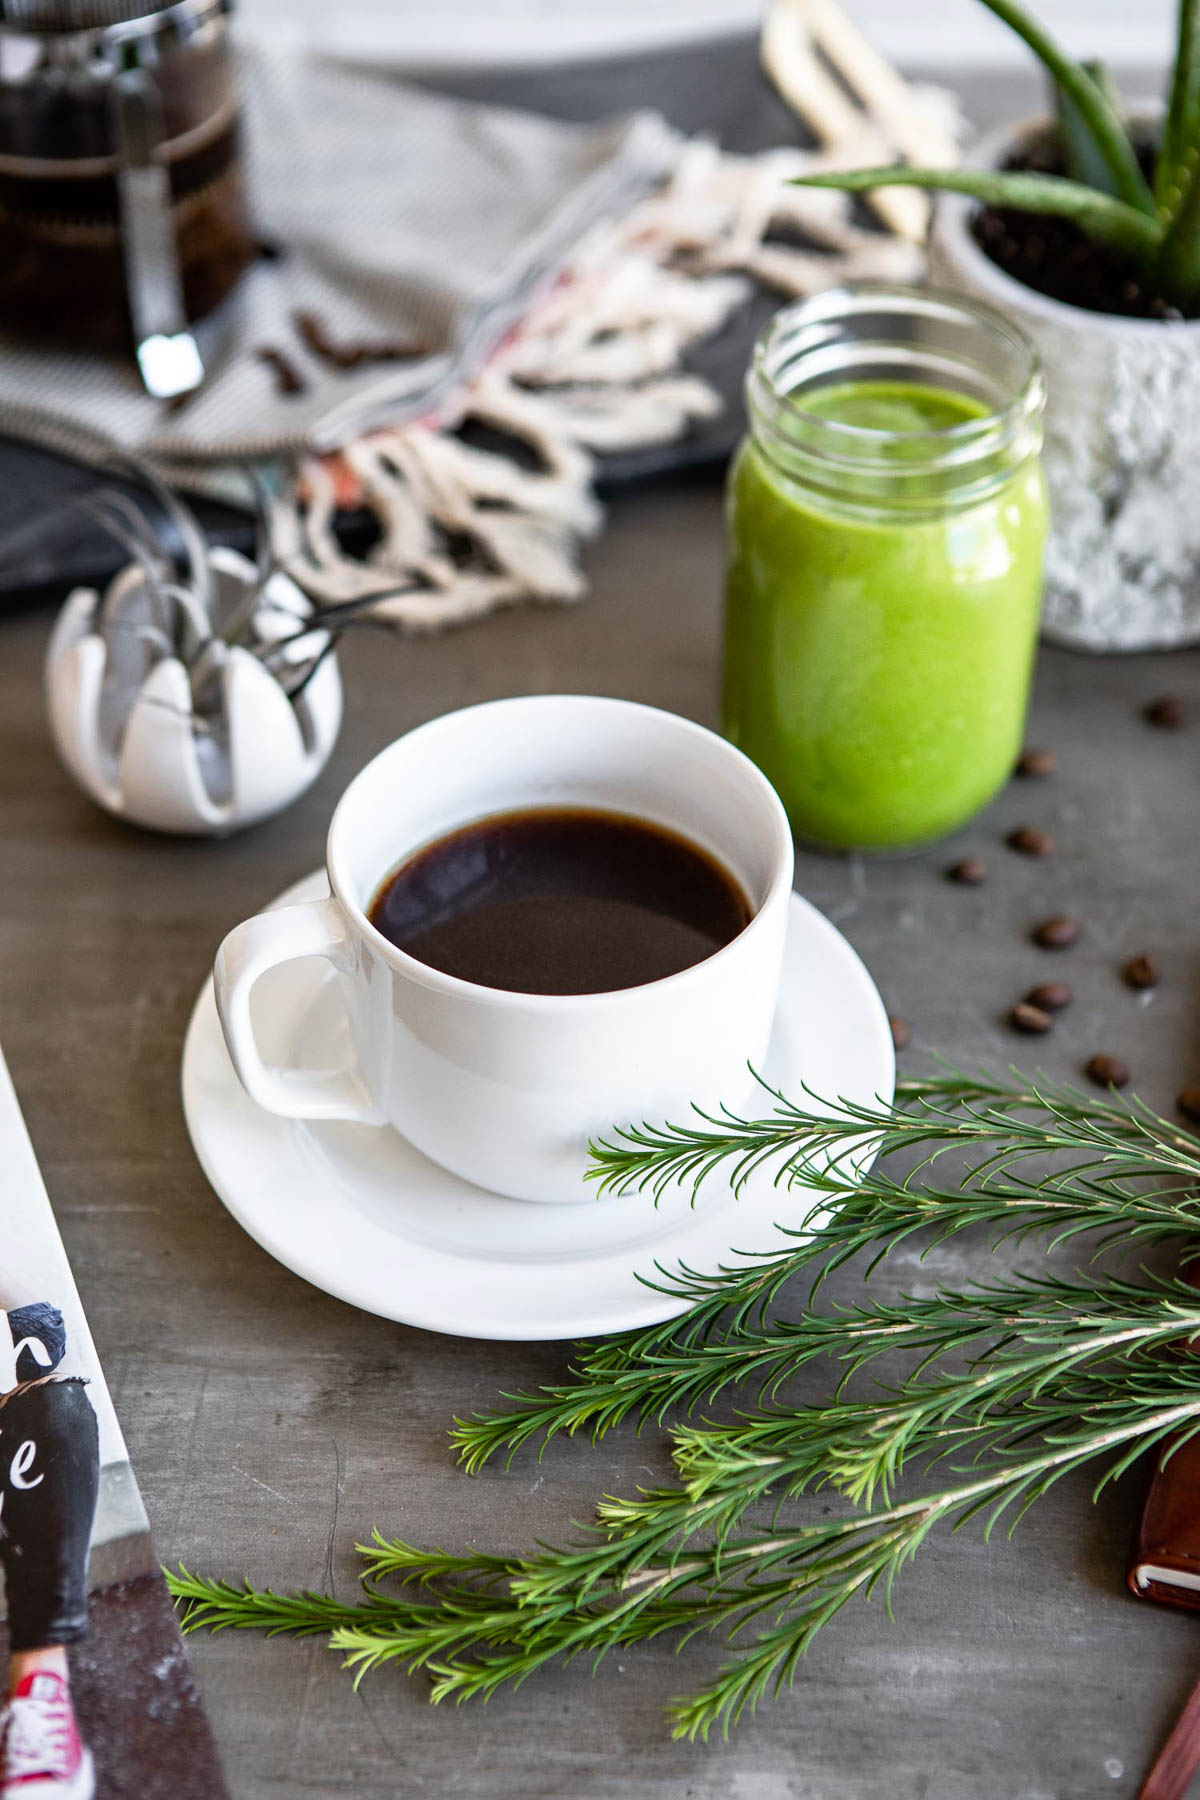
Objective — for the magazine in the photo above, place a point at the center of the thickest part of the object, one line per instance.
(100, 1700)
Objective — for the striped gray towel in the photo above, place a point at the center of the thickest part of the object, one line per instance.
(402, 215)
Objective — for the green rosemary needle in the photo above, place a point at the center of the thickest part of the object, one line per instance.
(652, 1373)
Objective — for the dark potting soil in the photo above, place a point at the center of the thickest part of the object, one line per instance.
(1054, 257)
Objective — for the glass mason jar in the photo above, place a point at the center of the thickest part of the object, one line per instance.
(886, 520)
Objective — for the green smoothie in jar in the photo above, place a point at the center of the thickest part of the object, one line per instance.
(887, 516)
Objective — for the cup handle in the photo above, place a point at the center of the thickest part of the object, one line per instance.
(280, 936)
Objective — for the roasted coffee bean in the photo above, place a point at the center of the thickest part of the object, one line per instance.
(1050, 996)
(1034, 765)
(1140, 972)
(1057, 933)
(1166, 712)
(901, 1031)
(968, 873)
(1106, 1071)
(1030, 841)
(1188, 1102)
(1030, 1019)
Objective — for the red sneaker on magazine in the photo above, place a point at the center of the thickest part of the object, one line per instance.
(41, 1754)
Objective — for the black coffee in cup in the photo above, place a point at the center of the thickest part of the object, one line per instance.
(560, 900)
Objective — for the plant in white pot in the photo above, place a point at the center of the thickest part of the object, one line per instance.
(1085, 228)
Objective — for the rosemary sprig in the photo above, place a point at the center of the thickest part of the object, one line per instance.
(1106, 1154)
(645, 1575)
(1009, 1121)
(1010, 1384)
(670, 1368)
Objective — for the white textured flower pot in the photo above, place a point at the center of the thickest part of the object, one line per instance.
(131, 740)
(1122, 452)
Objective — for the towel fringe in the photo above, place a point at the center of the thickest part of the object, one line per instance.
(596, 367)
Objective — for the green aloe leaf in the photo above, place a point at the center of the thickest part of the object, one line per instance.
(1105, 220)
(1085, 160)
(1177, 273)
(1180, 148)
(1094, 107)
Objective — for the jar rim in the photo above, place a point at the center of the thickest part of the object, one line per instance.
(924, 336)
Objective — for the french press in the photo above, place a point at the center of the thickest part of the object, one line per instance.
(122, 212)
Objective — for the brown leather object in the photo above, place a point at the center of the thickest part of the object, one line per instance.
(1165, 1555)
(1167, 1543)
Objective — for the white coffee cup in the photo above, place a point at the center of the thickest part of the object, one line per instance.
(506, 1089)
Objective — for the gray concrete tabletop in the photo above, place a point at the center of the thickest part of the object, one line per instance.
(272, 1426)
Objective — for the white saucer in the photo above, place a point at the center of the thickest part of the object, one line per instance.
(355, 1210)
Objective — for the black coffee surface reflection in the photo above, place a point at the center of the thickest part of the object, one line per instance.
(560, 900)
